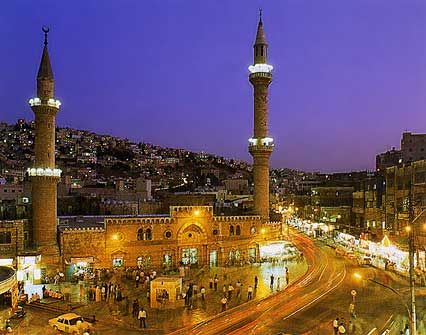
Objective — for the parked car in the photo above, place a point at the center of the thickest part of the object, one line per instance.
(70, 323)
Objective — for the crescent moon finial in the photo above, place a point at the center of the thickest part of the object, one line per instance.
(45, 30)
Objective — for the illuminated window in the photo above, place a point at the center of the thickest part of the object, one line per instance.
(253, 230)
(231, 230)
(140, 234)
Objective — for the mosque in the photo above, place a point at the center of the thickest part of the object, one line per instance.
(186, 235)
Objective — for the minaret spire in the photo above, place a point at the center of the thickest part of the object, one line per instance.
(45, 83)
(260, 45)
(261, 144)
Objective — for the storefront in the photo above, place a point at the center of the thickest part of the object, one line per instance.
(78, 267)
(165, 292)
(29, 269)
(277, 251)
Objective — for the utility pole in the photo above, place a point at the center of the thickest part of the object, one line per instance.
(413, 326)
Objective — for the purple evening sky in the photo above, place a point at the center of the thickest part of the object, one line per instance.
(349, 76)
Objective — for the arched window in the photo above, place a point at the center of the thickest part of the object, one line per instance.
(231, 230)
(148, 234)
(261, 51)
(238, 230)
(140, 234)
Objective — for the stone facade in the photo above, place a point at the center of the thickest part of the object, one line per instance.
(189, 234)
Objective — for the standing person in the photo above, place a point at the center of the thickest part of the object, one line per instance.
(272, 281)
(352, 310)
(255, 282)
(203, 292)
(211, 282)
(230, 289)
(238, 288)
(287, 279)
(278, 283)
(135, 308)
(224, 301)
(216, 280)
(250, 292)
(336, 326)
(142, 317)
(224, 290)
(351, 328)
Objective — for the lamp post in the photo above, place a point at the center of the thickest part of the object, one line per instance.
(409, 312)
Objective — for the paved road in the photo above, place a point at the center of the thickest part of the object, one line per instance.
(323, 276)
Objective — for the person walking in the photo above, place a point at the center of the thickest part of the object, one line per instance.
(287, 279)
(224, 301)
(336, 326)
(255, 282)
(142, 317)
(250, 292)
(224, 290)
(216, 280)
(272, 281)
(211, 283)
(278, 283)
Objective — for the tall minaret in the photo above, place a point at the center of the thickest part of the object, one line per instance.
(261, 145)
(44, 175)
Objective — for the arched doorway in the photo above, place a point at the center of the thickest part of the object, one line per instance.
(192, 244)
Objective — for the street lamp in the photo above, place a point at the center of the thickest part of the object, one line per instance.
(410, 315)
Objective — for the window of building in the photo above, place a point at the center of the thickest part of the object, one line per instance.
(140, 234)
(215, 232)
(231, 230)
(261, 51)
(148, 234)
(238, 230)
(5, 237)
(168, 234)
(253, 230)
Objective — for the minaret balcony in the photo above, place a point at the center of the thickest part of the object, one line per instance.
(36, 101)
(47, 172)
(261, 144)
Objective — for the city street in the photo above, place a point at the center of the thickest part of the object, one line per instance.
(315, 296)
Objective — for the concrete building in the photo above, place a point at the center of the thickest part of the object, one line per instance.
(261, 144)
(389, 158)
(413, 147)
(367, 208)
(405, 191)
